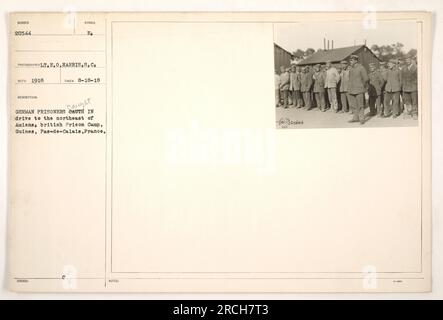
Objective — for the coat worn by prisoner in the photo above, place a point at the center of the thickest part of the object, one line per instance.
(319, 82)
(344, 80)
(384, 75)
(332, 78)
(306, 82)
(358, 77)
(284, 81)
(394, 80)
(294, 83)
(376, 83)
(409, 78)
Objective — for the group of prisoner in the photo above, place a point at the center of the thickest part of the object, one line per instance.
(388, 89)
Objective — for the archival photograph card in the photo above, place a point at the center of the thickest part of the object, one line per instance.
(152, 152)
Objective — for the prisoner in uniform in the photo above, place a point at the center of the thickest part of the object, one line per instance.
(358, 81)
(375, 86)
(319, 88)
(331, 80)
(305, 87)
(284, 87)
(277, 88)
(384, 74)
(392, 90)
(409, 87)
(344, 83)
(294, 86)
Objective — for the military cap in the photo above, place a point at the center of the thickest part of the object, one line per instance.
(353, 57)
(344, 62)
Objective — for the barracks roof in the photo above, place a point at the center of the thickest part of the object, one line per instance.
(333, 55)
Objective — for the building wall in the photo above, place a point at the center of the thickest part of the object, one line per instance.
(281, 58)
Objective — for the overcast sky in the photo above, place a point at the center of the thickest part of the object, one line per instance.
(293, 36)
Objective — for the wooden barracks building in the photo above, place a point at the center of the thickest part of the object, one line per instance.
(282, 57)
(365, 56)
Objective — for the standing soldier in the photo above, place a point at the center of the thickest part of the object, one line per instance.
(375, 86)
(358, 78)
(323, 71)
(337, 89)
(282, 70)
(384, 75)
(290, 93)
(331, 80)
(284, 87)
(277, 89)
(305, 88)
(400, 65)
(298, 92)
(311, 73)
(319, 88)
(392, 90)
(294, 86)
(409, 87)
(344, 83)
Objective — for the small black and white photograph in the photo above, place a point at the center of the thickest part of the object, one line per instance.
(346, 74)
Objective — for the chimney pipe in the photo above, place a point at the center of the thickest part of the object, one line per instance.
(328, 44)
(332, 44)
(324, 43)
